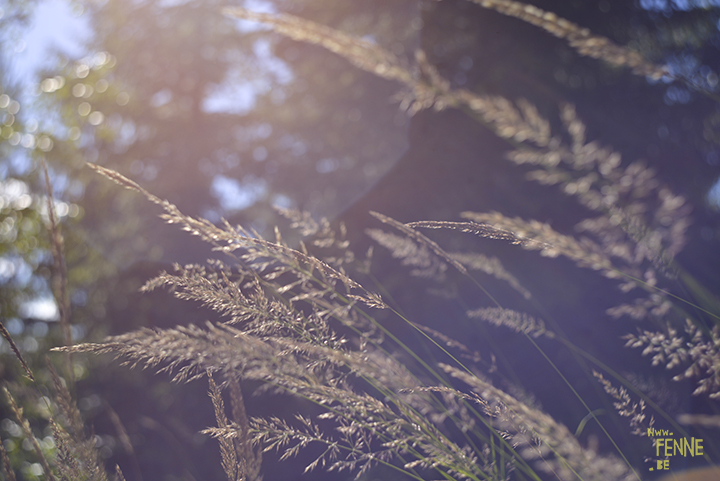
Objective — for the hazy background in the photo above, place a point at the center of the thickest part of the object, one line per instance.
(227, 119)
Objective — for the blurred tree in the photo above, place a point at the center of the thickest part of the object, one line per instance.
(198, 109)
(188, 101)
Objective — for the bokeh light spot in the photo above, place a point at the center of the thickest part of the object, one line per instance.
(96, 118)
(84, 109)
(122, 98)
